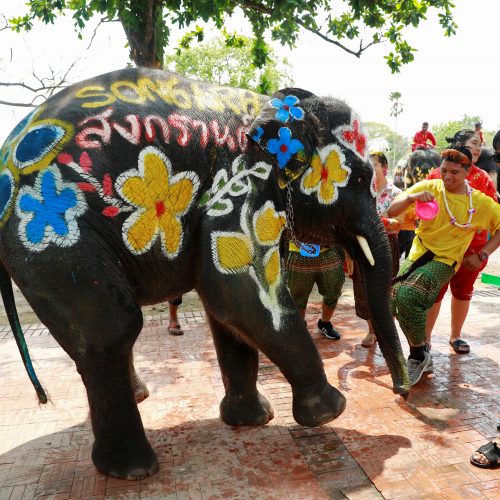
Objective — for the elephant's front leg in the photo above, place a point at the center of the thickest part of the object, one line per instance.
(289, 347)
(239, 363)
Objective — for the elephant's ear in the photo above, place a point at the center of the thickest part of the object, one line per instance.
(287, 129)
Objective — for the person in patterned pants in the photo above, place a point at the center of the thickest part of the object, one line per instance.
(439, 247)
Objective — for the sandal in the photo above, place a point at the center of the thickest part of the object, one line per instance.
(460, 346)
(491, 452)
(174, 329)
(369, 340)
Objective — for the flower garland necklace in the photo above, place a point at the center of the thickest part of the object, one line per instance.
(471, 210)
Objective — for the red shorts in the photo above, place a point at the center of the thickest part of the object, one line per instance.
(462, 283)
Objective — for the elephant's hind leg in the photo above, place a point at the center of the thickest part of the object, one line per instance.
(97, 327)
(239, 364)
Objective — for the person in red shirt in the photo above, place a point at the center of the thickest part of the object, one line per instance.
(462, 283)
(421, 138)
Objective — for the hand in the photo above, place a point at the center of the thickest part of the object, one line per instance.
(472, 262)
(422, 196)
(391, 225)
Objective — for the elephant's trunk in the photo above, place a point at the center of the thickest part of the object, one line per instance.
(377, 281)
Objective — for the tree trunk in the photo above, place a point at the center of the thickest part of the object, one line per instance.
(146, 35)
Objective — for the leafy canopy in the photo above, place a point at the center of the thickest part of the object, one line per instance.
(228, 61)
(350, 25)
(449, 129)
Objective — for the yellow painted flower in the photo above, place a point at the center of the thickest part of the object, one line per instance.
(161, 199)
(268, 224)
(232, 252)
(326, 174)
(272, 266)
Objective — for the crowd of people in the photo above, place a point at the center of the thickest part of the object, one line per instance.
(446, 249)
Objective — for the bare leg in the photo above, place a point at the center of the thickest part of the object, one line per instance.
(432, 316)
(172, 311)
(174, 327)
(459, 311)
(326, 312)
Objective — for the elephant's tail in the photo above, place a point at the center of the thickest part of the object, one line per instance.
(11, 310)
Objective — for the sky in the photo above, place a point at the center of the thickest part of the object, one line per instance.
(449, 77)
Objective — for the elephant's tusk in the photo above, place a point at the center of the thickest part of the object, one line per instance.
(366, 249)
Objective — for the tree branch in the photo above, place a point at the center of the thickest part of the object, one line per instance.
(249, 5)
(44, 91)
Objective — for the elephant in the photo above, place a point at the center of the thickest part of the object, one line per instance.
(140, 185)
(419, 165)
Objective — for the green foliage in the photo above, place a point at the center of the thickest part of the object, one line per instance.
(377, 130)
(229, 61)
(448, 129)
(343, 22)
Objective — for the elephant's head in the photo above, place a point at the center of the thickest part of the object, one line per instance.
(420, 163)
(320, 150)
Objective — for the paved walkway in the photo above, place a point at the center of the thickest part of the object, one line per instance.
(381, 447)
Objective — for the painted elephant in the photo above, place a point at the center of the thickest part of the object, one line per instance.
(419, 165)
(139, 185)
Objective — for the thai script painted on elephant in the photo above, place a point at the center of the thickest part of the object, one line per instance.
(327, 173)
(97, 131)
(170, 91)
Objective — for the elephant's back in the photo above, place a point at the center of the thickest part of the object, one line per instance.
(126, 155)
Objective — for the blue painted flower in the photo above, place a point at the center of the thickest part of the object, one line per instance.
(6, 191)
(284, 147)
(48, 211)
(287, 108)
(259, 132)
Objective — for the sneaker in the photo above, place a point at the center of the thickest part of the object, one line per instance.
(430, 366)
(369, 340)
(417, 368)
(326, 329)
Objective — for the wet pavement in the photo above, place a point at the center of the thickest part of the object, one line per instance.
(381, 446)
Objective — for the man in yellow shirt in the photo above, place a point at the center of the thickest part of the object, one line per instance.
(438, 248)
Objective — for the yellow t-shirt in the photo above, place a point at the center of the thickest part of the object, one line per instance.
(447, 241)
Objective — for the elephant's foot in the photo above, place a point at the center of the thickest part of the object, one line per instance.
(244, 410)
(126, 462)
(313, 410)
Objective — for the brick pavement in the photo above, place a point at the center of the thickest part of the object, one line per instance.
(381, 447)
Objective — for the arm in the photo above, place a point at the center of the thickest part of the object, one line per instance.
(473, 261)
(432, 138)
(401, 203)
